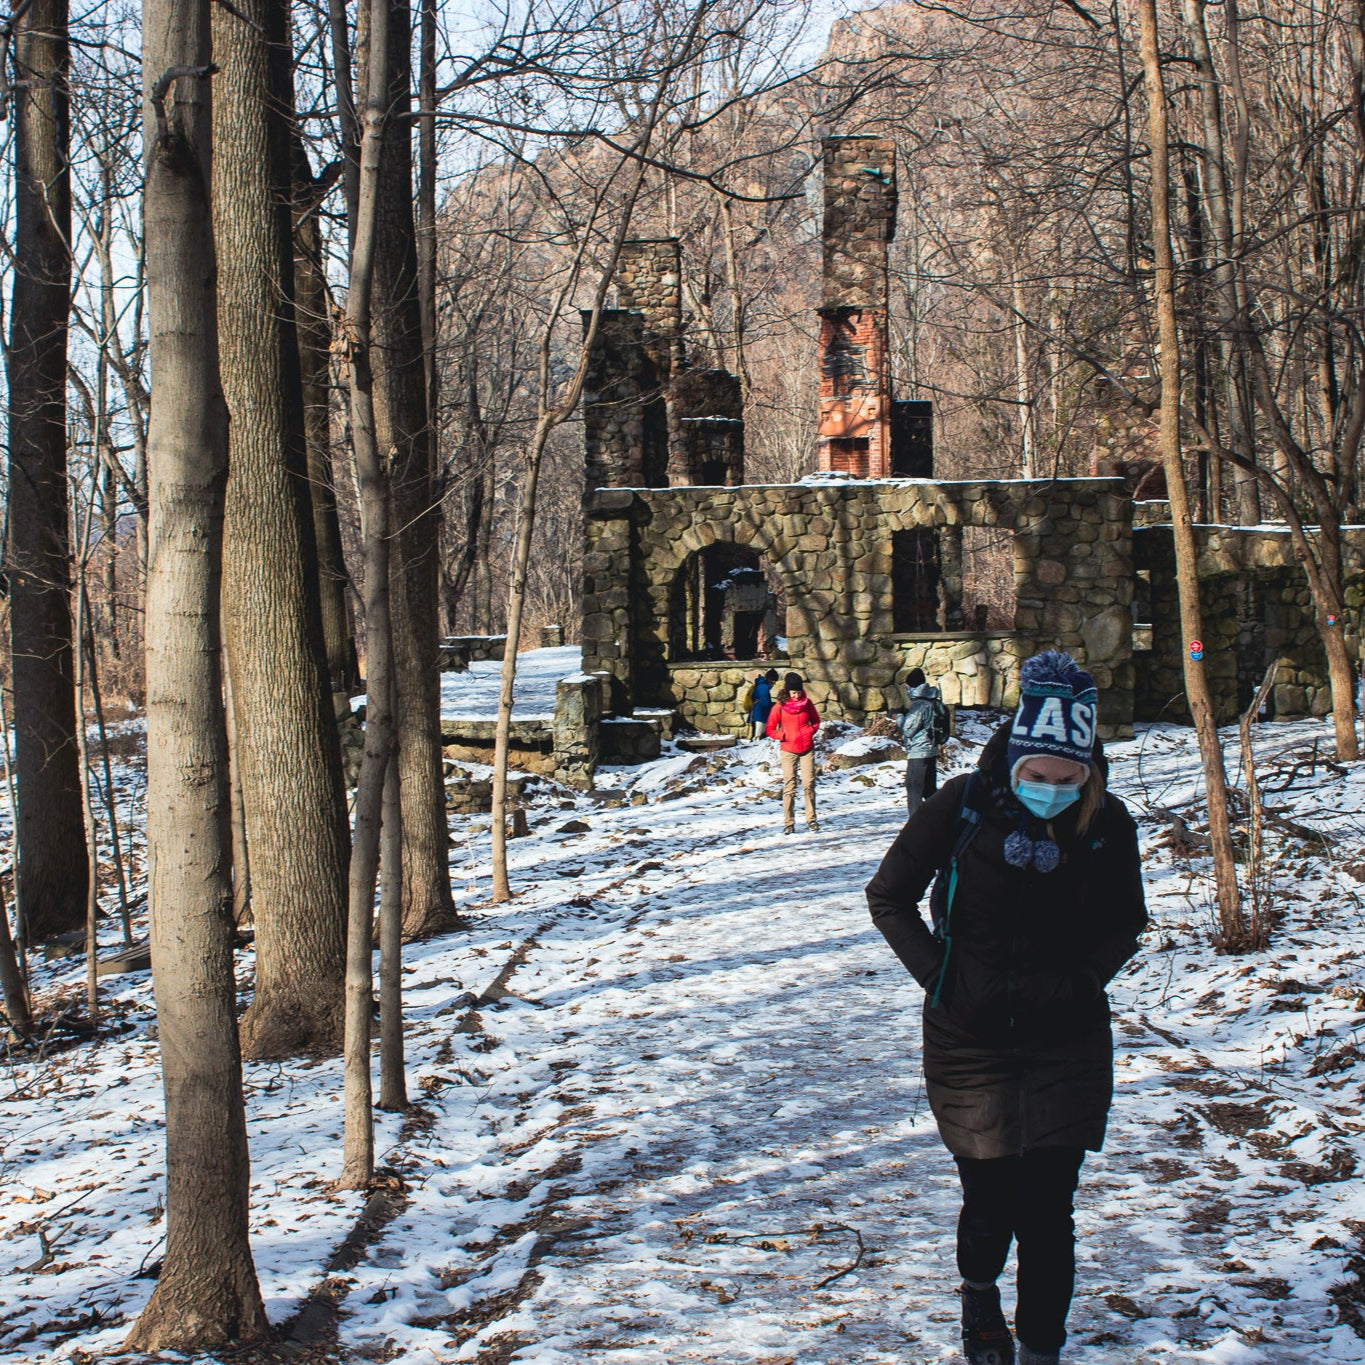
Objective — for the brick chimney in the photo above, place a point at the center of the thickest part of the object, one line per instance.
(855, 387)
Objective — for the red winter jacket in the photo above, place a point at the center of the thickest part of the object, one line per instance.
(794, 724)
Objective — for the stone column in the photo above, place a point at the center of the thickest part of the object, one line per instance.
(578, 715)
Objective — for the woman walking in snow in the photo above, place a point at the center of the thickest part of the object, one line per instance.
(793, 722)
(1037, 905)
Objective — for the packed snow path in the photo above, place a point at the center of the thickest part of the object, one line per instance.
(670, 1110)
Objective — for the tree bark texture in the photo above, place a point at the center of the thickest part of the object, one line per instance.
(315, 338)
(207, 1294)
(52, 872)
(377, 535)
(404, 432)
(1232, 928)
(288, 750)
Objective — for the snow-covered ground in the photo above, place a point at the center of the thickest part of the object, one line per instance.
(473, 695)
(670, 1105)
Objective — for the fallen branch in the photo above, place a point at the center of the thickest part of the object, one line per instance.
(776, 1241)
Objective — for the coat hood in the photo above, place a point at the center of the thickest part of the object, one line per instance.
(924, 691)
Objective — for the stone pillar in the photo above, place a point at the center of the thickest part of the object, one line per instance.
(606, 628)
(613, 411)
(855, 390)
(578, 715)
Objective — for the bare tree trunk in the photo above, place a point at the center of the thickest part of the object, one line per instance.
(1218, 199)
(207, 1294)
(110, 809)
(393, 1090)
(288, 750)
(1021, 380)
(376, 518)
(404, 427)
(92, 858)
(241, 849)
(12, 986)
(1232, 927)
(51, 877)
(315, 337)
(736, 296)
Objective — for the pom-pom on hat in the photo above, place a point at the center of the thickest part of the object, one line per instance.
(1058, 711)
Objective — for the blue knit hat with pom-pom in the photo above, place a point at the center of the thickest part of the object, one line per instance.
(1058, 711)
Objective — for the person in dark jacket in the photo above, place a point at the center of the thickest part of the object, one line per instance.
(1040, 906)
(763, 703)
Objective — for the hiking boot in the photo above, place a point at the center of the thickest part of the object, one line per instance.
(788, 829)
(986, 1336)
(813, 826)
(1028, 1357)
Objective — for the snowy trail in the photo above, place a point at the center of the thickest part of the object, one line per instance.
(669, 1109)
(729, 1110)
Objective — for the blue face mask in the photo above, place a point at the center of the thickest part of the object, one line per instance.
(1045, 799)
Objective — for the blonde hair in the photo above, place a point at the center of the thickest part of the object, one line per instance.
(1092, 797)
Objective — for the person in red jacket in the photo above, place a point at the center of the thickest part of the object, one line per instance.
(793, 723)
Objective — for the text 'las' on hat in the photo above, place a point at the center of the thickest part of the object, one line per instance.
(1058, 711)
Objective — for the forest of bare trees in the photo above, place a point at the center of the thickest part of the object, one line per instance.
(294, 359)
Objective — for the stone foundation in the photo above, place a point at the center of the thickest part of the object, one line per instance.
(830, 545)
(1257, 610)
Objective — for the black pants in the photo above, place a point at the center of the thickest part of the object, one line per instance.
(1026, 1199)
(921, 781)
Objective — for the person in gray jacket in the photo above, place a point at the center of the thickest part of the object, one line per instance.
(924, 727)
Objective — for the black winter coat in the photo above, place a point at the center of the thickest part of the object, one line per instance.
(1017, 1051)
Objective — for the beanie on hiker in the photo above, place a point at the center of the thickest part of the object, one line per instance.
(1058, 711)
(793, 683)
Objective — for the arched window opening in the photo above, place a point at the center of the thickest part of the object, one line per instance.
(727, 604)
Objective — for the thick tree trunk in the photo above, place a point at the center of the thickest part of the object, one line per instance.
(315, 338)
(1232, 927)
(288, 751)
(207, 1295)
(52, 872)
(403, 427)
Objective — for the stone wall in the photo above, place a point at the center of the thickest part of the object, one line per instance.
(830, 547)
(705, 429)
(1256, 609)
(457, 652)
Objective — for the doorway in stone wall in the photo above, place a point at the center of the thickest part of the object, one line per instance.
(726, 604)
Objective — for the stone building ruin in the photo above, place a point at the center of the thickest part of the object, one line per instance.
(693, 581)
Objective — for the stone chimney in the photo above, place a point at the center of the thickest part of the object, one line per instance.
(855, 389)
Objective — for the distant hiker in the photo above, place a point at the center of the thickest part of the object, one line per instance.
(1037, 905)
(924, 730)
(793, 722)
(761, 703)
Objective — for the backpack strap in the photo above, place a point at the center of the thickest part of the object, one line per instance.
(968, 826)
